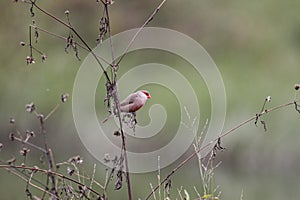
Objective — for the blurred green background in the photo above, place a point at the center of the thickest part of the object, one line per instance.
(255, 44)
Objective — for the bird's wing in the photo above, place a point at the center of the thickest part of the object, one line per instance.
(129, 100)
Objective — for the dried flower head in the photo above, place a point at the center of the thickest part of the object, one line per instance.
(268, 99)
(12, 120)
(30, 60)
(75, 160)
(67, 12)
(30, 107)
(11, 161)
(24, 151)
(117, 133)
(109, 2)
(40, 117)
(44, 57)
(30, 133)
(22, 43)
(118, 183)
(70, 171)
(79, 160)
(297, 86)
(64, 97)
(11, 136)
(106, 158)
(1, 146)
(82, 190)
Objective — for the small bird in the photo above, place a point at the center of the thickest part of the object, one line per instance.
(133, 102)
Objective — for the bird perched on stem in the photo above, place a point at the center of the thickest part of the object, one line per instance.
(133, 102)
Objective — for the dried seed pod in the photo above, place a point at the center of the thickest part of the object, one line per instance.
(64, 97)
(11, 161)
(44, 57)
(30, 107)
(11, 136)
(24, 151)
(12, 120)
(30, 60)
(70, 171)
(22, 43)
(30, 133)
(117, 133)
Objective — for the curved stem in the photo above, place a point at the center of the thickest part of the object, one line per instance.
(215, 140)
(52, 173)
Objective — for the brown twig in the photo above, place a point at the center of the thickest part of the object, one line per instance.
(48, 154)
(216, 140)
(29, 144)
(115, 85)
(75, 32)
(26, 180)
(138, 32)
(52, 173)
(64, 38)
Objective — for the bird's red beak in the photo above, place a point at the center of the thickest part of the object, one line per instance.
(147, 94)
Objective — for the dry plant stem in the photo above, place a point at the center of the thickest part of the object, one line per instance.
(64, 38)
(30, 183)
(75, 32)
(52, 111)
(110, 37)
(30, 144)
(21, 173)
(49, 172)
(140, 29)
(107, 77)
(107, 177)
(114, 83)
(30, 42)
(115, 97)
(92, 180)
(117, 103)
(215, 140)
(48, 154)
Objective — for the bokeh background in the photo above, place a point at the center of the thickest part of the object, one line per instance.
(255, 44)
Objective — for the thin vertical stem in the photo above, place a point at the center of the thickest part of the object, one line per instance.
(50, 161)
(117, 103)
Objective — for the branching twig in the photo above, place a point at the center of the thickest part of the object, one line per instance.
(64, 38)
(30, 183)
(29, 144)
(137, 33)
(75, 32)
(50, 161)
(115, 85)
(52, 173)
(214, 141)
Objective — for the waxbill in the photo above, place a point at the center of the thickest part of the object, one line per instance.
(133, 102)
